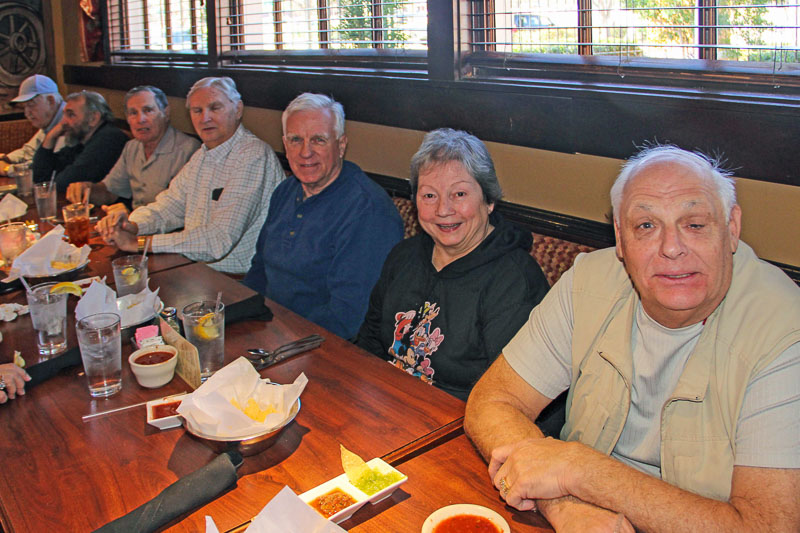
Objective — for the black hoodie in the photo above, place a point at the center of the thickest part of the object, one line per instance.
(447, 327)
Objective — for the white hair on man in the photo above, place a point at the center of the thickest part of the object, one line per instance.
(223, 84)
(700, 165)
(315, 102)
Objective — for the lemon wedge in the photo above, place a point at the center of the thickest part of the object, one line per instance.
(206, 328)
(66, 287)
(131, 275)
(18, 360)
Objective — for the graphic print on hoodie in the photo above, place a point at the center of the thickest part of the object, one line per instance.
(415, 342)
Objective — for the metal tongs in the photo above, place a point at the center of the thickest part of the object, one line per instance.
(262, 359)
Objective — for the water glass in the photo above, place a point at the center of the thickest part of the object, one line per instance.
(130, 274)
(100, 341)
(45, 196)
(49, 316)
(13, 241)
(23, 175)
(76, 223)
(204, 326)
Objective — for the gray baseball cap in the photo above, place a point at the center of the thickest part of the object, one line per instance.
(33, 86)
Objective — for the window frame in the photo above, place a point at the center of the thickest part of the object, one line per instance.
(448, 58)
(704, 73)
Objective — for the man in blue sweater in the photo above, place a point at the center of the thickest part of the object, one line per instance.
(329, 227)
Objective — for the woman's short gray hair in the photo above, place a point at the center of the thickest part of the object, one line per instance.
(224, 84)
(445, 145)
(92, 102)
(315, 102)
(700, 165)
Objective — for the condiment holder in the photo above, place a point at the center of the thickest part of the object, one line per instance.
(341, 482)
(161, 412)
(153, 374)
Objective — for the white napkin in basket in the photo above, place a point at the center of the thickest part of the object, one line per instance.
(36, 260)
(210, 411)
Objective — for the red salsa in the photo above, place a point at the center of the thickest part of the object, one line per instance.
(162, 410)
(332, 502)
(153, 358)
(466, 523)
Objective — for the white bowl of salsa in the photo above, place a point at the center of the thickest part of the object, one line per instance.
(154, 366)
(465, 518)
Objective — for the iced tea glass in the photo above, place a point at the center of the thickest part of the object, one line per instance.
(76, 221)
(100, 341)
(130, 274)
(204, 326)
(49, 316)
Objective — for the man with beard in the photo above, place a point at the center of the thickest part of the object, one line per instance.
(43, 106)
(94, 143)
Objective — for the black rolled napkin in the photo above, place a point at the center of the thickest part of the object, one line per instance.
(47, 369)
(190, 492)
(252, 308)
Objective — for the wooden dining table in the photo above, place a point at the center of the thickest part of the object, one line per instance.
(62, 473)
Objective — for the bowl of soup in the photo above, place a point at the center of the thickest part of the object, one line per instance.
(154, 366)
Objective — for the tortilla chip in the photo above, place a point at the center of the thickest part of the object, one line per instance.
(353, 465)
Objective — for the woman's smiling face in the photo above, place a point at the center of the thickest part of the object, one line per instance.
(452, 209)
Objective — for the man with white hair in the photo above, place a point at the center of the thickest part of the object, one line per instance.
(329, 227)
(681, 353)
(43, 107)
(215, 206)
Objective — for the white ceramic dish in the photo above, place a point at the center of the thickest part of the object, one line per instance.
(156, 375)
(165, 422)
(361, 498)
(444, 513)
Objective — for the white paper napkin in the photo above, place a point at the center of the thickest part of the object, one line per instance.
(36, 260)
(285, 513)
(12, 207)
(132, 308)
(210, 411)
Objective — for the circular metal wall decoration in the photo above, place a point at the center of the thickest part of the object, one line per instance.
(22, 47)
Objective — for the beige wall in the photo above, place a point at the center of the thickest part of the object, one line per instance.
(573, 184)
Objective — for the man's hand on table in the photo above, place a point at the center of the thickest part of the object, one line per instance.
(532, 469)
(539, 469)
(14, 378)
(76, 190)
(116, 229)
(119, 206)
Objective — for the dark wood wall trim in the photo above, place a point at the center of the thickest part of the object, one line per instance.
(756, 136)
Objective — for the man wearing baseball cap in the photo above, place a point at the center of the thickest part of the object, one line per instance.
(43, 106)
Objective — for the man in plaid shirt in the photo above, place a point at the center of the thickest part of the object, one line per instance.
(214, 208)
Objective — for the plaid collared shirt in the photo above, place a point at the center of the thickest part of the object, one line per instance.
(220, 198)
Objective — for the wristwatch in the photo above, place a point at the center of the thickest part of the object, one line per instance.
(142, 243)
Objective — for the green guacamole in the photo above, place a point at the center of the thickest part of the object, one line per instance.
(373, 481)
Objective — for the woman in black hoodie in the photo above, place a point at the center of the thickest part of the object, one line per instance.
(449, 300)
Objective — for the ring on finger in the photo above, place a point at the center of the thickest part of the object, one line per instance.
(2, 382)
(504, 488)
